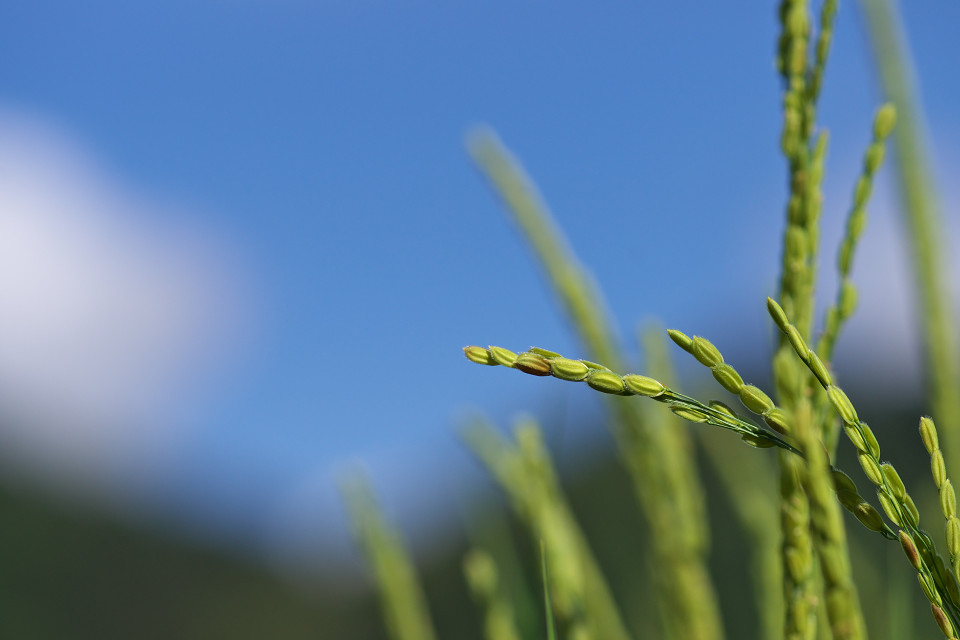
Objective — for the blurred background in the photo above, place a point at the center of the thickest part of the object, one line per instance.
(241, 246)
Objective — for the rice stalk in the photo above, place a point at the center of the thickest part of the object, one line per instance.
(691, 608)
(802, 81)
(846, 300)
(923, 220)
(540, 362)
(581, 598)
(948, 495)
(841, 600)
(678, 569)
(749, 483)
(809, 502)
(938, 585)
(480, 571)
(402, 600)
(828, 13)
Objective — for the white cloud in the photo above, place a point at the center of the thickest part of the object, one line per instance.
(110, 305)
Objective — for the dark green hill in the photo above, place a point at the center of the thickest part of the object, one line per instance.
(68, 573)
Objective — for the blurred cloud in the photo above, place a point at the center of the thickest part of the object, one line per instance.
(115, 309)
(308, 536)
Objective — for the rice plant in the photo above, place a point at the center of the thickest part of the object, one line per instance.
(805, 586)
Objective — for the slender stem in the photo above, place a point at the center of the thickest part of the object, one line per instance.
(404, 604)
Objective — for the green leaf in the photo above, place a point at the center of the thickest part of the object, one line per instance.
(547, 610)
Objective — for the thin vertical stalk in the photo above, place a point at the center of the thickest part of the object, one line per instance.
(480, 570)
(401, 596)
(580, 595)
(679, 569)
(802, 81)
(749, 482)
(841, 602)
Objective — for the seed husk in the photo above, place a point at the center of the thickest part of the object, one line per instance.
(533, 364)
(605, 381)
(567, 369)
(480, 356)
(728, 377)
(643, 385)
(755, 399)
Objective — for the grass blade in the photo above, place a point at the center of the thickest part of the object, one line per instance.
(402, 599)
(547, 609)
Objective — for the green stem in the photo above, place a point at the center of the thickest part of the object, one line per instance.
(581, 597)
(401, 596)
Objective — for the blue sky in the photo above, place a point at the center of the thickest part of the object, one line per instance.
(290, 179)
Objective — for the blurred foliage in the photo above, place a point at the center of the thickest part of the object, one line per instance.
(75, 573)
(72, 573)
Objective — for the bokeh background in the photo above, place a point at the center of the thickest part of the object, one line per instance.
(241, 245)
